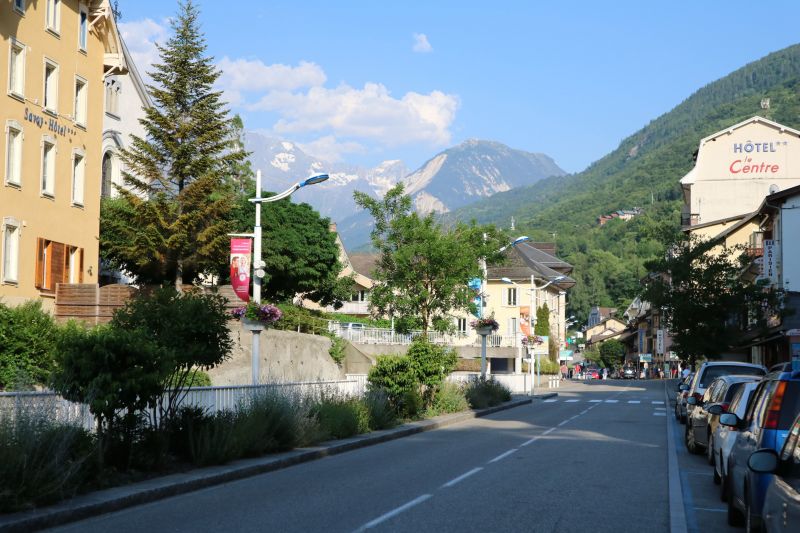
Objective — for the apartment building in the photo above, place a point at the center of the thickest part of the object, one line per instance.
(55, 57)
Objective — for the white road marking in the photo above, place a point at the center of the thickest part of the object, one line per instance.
(462, 477)
(393, 513)
(550, 401)
(659, 414)
(585, 411)
(595, 401)
(711, 510)
(548, 431)
(562, 423)
(655, 402)
(503, 455)
(531, 441)
(634, 401)
(612, 401)
(572, 401)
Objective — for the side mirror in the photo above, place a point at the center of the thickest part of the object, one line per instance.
(683, 387)
(715, 409)
(729, 419)
(691, 400)
(764, 461)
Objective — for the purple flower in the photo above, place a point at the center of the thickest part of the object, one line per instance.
(265, 313)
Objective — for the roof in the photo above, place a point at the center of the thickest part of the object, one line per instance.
(716, 222)
(525, 260)
(364, 263)
(783, 195)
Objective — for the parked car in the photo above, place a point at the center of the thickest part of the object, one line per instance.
(724, 436)
(680, 398)
(704, 415)
(770, 413)
(711, 370)
(629, 373)
(782, 500)
(591, 373)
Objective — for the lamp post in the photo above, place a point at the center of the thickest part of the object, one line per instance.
(258, 264)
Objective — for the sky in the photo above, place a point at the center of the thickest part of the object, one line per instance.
(363, 81)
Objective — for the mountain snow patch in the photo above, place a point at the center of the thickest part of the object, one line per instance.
(421, 178)
(287, 146)
(282, 161)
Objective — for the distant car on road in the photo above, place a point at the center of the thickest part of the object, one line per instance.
(628, 373)
(782, 500)
(591, 373)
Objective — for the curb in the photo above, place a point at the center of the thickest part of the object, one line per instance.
(118, 498)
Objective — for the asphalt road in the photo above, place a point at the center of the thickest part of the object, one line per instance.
(593, 459)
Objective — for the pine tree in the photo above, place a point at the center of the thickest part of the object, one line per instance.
(172, 218)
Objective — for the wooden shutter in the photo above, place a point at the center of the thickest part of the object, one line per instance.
(40, 274)
(58, 266)
(504, 297)
(80, 265)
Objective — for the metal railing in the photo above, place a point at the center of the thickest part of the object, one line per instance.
(388, 336)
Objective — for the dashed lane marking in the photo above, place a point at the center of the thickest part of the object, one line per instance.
(550, 401)
(634, 401)
(572, 401)
(503, 455)
(612, 401)
(462, 477)
(393, 513)
(655, 402)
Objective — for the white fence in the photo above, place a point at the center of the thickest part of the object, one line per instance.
(388, 336)
(213, 399)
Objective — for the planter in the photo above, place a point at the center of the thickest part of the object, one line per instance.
(483, 331)
(253, 325)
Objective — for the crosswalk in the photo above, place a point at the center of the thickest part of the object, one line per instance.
(611, 401)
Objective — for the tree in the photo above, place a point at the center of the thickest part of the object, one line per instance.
(612, 352)
(707, 306)
(542, 326)
(172, 218)
(424, 267)
(27, 335)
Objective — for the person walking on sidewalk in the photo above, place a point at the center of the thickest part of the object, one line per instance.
(563, 371)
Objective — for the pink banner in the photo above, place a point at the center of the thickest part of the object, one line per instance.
(240, 267)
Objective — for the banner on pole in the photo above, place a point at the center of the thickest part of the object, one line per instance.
(240, 267)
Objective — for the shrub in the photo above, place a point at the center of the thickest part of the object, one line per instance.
(394, 374)
(27, 336)
(411, 403)
(341, 417)
(448, 399)
(41, 461)
(381, 413)
(482, 393)
(431, 363)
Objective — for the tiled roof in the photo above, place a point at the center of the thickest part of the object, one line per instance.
(363, 263)
(524, 260)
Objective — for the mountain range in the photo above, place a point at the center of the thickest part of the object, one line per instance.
(453, 178)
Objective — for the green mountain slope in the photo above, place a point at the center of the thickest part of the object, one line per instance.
(642, 172)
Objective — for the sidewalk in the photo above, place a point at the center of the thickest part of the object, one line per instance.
(117, 498)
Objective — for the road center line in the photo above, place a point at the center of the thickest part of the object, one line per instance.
(531, 441)
(548, 431)
(503, 455)
(585, 411)
(711, 510)
(393, 513)
(462, 477)
(562, 422)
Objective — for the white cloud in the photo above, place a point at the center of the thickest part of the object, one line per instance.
(330, 149)
(370, 112)
(421, 43)
(243, 75)
(141, 37)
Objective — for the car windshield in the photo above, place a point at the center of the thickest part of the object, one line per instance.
(713, 372)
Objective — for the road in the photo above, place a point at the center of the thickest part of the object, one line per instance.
(593, 459)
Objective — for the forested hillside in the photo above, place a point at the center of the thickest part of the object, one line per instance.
(642, 172)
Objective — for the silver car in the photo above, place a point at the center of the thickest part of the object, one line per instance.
(724, 436)
(680, 398)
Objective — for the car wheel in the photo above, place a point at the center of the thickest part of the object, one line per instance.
(723, 494)
(691, 444)
(710, 452)
(677, 413)
(735, 517)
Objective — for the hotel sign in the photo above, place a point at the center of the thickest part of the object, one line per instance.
(753, 157)
(52, 124)
(770, 263)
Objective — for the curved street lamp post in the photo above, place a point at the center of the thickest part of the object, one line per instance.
(258, 264)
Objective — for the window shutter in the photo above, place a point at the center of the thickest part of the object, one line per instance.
(39, 280)
(80, 265)
(58, 267)
(504, 297)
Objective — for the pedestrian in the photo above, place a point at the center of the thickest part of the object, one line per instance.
(563, 371)
(685, 372)
(605, 373)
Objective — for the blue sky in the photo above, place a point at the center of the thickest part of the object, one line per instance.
(363, 82)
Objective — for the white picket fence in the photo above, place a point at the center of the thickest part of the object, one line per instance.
(50, 405)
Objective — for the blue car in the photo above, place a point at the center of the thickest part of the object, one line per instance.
(770, 413)
(782, 502)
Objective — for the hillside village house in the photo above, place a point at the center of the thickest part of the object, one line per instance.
(56, 55)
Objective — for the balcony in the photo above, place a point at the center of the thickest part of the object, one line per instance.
(690, 219)
(354, 308)
(754, 251)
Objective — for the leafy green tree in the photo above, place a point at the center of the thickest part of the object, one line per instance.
(299, 250)
(432, 363)
(172, 218)
(27, 336)
(424, 267)
(612, 353)
(542, 326)
(707, 305)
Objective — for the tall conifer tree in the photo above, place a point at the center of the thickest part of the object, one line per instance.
(171, 221)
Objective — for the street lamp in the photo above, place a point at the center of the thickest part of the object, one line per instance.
(258, 264)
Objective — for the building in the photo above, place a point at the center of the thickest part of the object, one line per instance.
(736, 168)
(55, 56)
(598, 314)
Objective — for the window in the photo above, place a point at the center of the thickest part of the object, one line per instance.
(78, 173)
(359, 296)
(112, 96)
(10, 250)
(53, 15)
(57, 263)
(512, 326)
(19, 6)
(48, 167)
(83, 28)
(14, 154)
(50, 86)
(80, 101)
(107, 170)
(461, 325)
(16, 69)
(511, 297)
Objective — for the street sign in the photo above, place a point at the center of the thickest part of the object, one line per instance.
(793, 332)
(660, 342)
(544, 347)
(565, 355)
(645, 358)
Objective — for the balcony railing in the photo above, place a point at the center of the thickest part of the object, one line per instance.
(387, 336)
(690, 219)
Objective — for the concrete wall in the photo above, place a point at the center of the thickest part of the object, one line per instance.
(285, 356)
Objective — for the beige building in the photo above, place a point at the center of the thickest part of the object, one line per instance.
(736, 168)
(55, 55)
